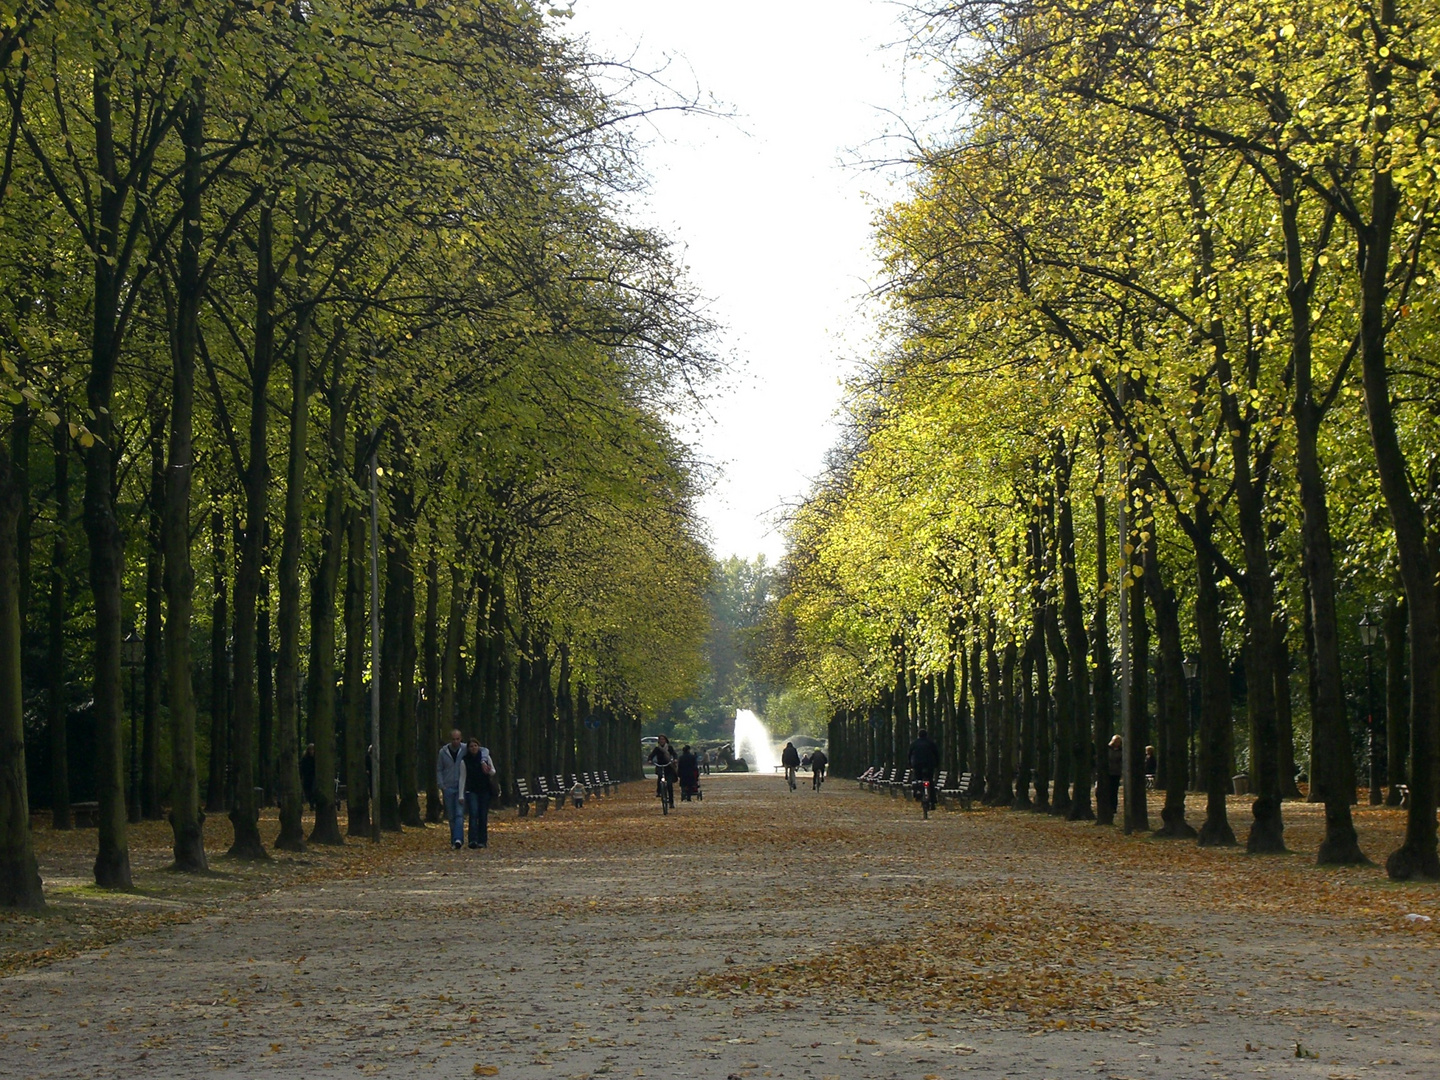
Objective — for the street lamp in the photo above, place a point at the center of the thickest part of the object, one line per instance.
(1191, 667)
(1369, 632)
(132, 658)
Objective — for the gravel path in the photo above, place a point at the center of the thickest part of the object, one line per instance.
(762, 933)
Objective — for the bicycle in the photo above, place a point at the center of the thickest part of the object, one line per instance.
(790, 776)
(817, 777)
(925, 791)
(664, 789)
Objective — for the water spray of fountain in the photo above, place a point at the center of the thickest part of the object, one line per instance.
(752, 742)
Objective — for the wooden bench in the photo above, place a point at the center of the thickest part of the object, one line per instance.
(865, 777)
(962, 791)
(610, 785)
(556, 792)
(526, 799)
(1404, 790)
(85, 815)
(882, 777)
(593, 784)
(902, 784)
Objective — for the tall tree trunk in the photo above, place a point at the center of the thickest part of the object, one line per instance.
(1025, 723)
(406, 761)
(55, 651)
(1416, 856)
(566, 706)
(150, 807)
(430, 736)
(245, 814)
(357, 731)
(994, 719)
(1009, 723)
(323, 587)
(220, 787)
(392, 615)
(1284, 711)
(265, 692)
(1215, 722)
(185, 819)
(1137, 726)
(1104, 697)
(1397, 699)
(19, 872)
(287, 666)
(450, 666)
(1170, 697)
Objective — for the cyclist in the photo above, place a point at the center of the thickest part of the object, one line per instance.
(818, 761)
(924, 758)
(790, 758)
(662, 756)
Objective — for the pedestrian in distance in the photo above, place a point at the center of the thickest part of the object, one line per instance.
(447, 779)
(476, 770)
(790, 758)
(818, 762)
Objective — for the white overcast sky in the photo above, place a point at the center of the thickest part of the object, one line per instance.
(772, 214)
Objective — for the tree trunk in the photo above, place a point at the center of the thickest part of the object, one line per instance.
(150, 807)
(357, 737)
(265, 692)
(392, 615)
(429, 710)
(55, 650)
(980, 706)
(1215, 723)
(1137, 723)
(1009, 723)
(406, 759)
(323, 587)
(245, 814)
(287, 666)
(1284, 714)
(19, 872)
(1025, 713)
(1104, 697)
(1397, 699)
(1170, 697)
(220, 788)
(185, 818)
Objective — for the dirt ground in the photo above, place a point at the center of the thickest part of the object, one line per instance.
(758, 933)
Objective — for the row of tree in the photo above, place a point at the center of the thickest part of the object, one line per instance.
(340, 294)
(1163, 314)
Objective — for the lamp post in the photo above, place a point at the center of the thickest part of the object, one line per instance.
(1369, 631)
(1191, 668)
(132, 657)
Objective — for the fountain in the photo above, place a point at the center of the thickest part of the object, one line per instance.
(752, 742)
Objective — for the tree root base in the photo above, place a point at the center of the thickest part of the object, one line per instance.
(1413, 862)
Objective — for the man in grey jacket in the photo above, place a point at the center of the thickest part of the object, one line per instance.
(447, 779)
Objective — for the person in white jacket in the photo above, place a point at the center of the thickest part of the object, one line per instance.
(477, 772)
(447, 779)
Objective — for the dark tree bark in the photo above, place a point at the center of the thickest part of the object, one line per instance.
(1397, 700)
(1104, 698)
(19, 872)
(980, 706)
(323, 587)
(1215, 724)
(1136, 726)
(55, 646)
(429, 710)
(287, 666)
(406, 762)
(185, 818)
(357, 730)
(1009, 724)
(255, 482)
(220, 786)
(1170, 697)
(265, 692)
(1025, 714)
(391, 649)
(1284, 714)
(150, 807)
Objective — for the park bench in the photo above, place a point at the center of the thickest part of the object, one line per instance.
(85, 815)
(526, 798)
(962, 791)
(610, 785)
(881, 778)
(865, 777)
(562, 792)
(1404, 790)
(556, 792)
(593, 784)
(902, 784)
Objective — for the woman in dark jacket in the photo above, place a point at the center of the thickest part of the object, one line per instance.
(476, 769)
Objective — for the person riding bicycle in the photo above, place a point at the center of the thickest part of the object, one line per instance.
(818, 762)
(790, 758)
(662, 756)
(924, 759)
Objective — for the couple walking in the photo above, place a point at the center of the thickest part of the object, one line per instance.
(465, 775)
